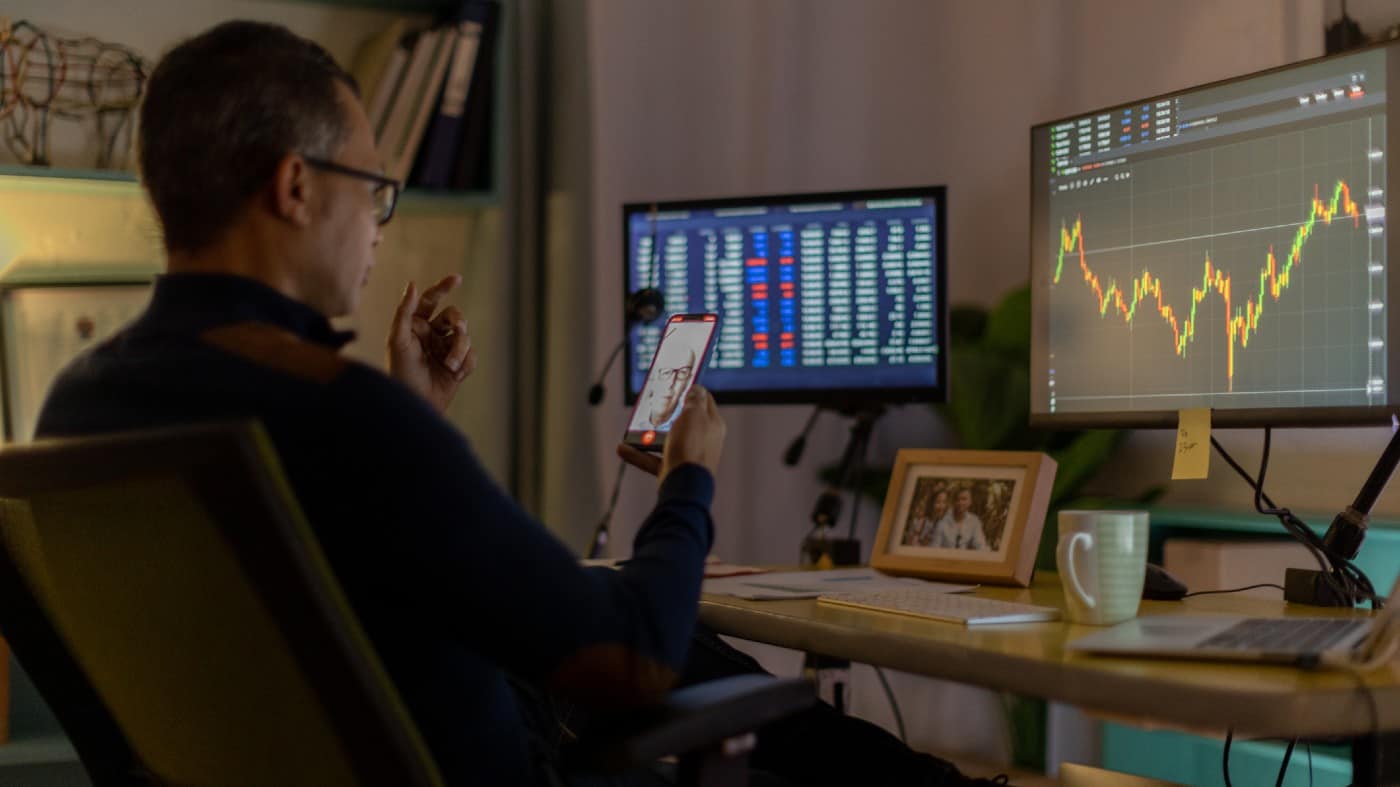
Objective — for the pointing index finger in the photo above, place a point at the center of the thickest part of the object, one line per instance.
(427, 303)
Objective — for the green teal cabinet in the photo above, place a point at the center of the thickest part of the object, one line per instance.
(1197, 760)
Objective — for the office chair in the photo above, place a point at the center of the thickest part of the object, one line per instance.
(171, 604)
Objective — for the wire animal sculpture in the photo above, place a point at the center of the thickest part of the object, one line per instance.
(45, 76)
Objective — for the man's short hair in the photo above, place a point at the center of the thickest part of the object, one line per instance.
(220, 111)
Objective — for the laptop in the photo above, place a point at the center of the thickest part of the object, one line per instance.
(1301, 641)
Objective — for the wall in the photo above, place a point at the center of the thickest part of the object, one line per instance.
(734, 97)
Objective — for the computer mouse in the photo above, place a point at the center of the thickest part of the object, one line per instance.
(1161, 586)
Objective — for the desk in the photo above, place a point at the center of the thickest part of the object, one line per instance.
(1030, 659)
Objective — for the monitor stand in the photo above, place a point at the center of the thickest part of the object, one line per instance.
(822, 548)
(1343, 538)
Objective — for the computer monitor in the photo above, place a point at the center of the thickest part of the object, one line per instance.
(833, 299)
(1222, 247)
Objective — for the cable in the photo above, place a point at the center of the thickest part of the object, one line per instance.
(1233, 590)
(1343, 577)
(1308, 748)
(894, 704)
(1312, 543)
(1377, 749)
(599, 542)
(596, 391)
(1225, 762)
(1287, 755)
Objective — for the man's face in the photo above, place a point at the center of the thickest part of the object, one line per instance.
(670, 378)
(347, 228)
(964, 502)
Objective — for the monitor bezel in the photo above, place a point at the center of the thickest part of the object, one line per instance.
(826, 397)
(1304, 417)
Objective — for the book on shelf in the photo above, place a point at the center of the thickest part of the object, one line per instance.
(412, 93)
(472, 168)
(377, 104)
(378, 64)
(444, 136)
(431, 101)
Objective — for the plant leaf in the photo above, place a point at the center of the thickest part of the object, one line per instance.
(988, 400)
(1079, 461)
(1009, 325)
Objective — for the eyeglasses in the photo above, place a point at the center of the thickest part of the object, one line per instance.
(386, 192)
(680, 374)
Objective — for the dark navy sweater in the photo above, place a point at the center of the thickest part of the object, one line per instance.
(454, 583)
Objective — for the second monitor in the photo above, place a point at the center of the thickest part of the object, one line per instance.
(823, 298)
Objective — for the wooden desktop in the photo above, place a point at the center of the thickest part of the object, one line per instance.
(1030, 658)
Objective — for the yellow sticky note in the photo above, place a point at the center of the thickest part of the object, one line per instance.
(1192, 444)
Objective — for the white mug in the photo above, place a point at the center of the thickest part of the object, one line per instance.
(1102, 558)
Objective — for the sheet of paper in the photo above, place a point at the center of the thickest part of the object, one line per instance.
(714, 567)
(810, 584)
(718, 568)
(1192, 444)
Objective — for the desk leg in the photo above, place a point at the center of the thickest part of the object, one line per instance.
(1375, 760)
(832, 676)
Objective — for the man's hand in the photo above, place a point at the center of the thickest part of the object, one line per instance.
(697, 436)
(430, 350)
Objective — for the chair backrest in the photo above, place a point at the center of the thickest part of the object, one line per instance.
(176, 570)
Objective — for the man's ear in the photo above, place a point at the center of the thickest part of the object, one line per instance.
(292, 190)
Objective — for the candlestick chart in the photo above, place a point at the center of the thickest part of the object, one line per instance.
(1241, 275)
(1242, 321)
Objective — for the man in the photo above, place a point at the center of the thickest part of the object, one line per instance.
(259, 160)
(960, 528)
(669, 377)
(675, 365)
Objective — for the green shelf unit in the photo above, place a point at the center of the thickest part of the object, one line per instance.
(1379, 557)
(432, 200)
(1191, 759)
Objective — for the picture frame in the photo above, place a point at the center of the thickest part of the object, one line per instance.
(44, 325)
(966, 516)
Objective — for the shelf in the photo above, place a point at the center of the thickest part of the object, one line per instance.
(36, 750)
(400, 6)
(413, 199)
(109, 175)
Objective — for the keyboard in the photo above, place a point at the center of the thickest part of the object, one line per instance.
(1284, 635)
(942, 606)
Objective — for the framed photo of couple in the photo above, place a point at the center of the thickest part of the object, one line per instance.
(969, 516)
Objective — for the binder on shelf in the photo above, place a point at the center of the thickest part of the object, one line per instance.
(445, 133)
(472, 168)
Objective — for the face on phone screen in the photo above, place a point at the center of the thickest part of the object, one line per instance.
(681, 354)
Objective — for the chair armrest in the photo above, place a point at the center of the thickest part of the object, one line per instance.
(690, 719)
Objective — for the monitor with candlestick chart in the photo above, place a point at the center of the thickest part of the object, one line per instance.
(1221, 247)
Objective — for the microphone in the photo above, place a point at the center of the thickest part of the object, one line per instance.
(643, 306)
(793, 454)
(595, 394)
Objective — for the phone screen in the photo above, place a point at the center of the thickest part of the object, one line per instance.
(680, 356)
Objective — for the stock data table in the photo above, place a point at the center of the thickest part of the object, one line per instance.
(848, 290)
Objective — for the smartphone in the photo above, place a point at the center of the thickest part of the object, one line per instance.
(680, 356)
